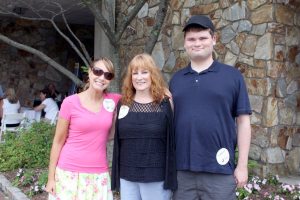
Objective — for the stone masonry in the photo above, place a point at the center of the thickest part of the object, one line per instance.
(28, 74)
(259, 37)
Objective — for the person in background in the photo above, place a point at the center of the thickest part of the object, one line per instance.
(56, 96)
(52, 90)
(1, 93)
(1, 102)
(78, 167)
(144, 165)
(48, 105)
(212, 109)
(10, 105)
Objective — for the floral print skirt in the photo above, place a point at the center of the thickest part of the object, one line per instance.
(81, 186)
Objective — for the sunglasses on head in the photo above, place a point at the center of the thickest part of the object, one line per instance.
(100, 72)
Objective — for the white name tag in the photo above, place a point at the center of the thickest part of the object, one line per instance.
(123, 111)
(109, 105)
(223, 156)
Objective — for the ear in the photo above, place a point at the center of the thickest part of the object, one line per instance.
(214, 39)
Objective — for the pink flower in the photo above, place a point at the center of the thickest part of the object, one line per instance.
(257, 187)
(249, 185)
(266, 194)
(287, 187)
(104, 182)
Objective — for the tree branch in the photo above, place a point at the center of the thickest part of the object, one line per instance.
(118, 10)
(38, 12)
(127, 20)
(102, 21)
(43, 57)
(82, 46)
(160, 17)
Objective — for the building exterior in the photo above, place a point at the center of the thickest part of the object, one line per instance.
(259, 37)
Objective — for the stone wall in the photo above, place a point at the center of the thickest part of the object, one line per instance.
(259, 37)
(26, 73)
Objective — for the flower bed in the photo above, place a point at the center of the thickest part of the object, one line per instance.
(268, 188)
(33, 183)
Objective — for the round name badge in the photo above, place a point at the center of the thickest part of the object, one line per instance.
(223, 156)
(109, 105)
(123, 111)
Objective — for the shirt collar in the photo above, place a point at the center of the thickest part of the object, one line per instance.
(213, 68)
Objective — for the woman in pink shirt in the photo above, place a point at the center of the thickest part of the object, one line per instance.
(78, 166)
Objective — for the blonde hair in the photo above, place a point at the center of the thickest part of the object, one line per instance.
(158, 84)
(10, 94)
(107, 63)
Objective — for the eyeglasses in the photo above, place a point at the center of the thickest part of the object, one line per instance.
(100, 72)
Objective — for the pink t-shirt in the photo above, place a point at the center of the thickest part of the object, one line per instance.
(85, 147)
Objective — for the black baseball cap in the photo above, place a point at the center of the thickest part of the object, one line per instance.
(200, 20)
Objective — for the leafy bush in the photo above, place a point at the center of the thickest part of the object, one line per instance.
(28, 149)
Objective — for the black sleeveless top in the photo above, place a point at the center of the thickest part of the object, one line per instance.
(144, 149)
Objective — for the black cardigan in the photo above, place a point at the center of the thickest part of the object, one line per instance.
(170, 179)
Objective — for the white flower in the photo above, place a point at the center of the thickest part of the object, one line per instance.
(248, 189)
(20, 172)
(264, 181)
(257, 187)
(249, 185)
(287, 187)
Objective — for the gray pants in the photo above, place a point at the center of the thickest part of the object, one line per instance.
(204, 186)
(143, 191)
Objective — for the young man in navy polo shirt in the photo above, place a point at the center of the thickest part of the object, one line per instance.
(212, 111)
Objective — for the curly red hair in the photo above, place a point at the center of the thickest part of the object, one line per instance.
(158, 84)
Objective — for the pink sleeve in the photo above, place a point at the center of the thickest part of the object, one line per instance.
(65, 109)
(116, 97)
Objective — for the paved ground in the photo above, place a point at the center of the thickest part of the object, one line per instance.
(2, 196)
(11, 192)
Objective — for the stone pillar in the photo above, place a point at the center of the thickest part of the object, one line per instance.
(102, 46)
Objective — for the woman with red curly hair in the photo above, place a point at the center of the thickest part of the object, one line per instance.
(144, 148)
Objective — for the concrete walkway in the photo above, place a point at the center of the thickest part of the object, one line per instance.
(3, 196)
(11, 192)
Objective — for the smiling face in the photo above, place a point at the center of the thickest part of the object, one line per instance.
(199, 44)
(98, 82)
(141, 79)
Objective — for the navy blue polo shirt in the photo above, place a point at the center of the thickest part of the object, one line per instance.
(205, 107)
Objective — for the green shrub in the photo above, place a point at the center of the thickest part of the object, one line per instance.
(28, 149)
